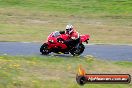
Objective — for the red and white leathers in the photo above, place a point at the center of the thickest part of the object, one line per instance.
(73, 38)
(74, 35)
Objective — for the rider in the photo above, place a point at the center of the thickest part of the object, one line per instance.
(73, 36)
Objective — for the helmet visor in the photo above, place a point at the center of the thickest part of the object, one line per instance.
(68, 30)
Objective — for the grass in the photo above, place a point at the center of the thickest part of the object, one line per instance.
(73, 6)
(55, 71)
(107, 21)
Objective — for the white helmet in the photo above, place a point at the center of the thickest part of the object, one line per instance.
(69, 29)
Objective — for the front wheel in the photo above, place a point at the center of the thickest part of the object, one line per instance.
(77, 51)
(44, 49)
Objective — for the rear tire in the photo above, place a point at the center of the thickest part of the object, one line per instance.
(77, 51)
(44, 49)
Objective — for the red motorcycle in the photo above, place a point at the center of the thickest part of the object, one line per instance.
(54, 44)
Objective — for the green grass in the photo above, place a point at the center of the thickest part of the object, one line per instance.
(120, 7)
(124, 63)
(107, 21)
(55, 71)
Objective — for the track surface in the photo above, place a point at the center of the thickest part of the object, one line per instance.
(107, 52)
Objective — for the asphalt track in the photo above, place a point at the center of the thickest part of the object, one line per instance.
(106, 52)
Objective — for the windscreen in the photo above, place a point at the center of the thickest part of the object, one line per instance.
(56, 34)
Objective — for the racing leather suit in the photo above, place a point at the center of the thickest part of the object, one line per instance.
(73, 39)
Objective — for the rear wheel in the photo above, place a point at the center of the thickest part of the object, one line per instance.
(44, 49)
(77, 51)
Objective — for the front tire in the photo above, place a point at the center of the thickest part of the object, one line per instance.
(77, 51)
(44, 49)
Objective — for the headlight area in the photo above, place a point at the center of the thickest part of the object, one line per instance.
(51, 41)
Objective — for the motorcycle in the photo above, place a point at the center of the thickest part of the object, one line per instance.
(55, 44)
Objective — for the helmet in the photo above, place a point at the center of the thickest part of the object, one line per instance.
(69, 29)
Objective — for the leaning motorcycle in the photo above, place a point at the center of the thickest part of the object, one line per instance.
(54, 44)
